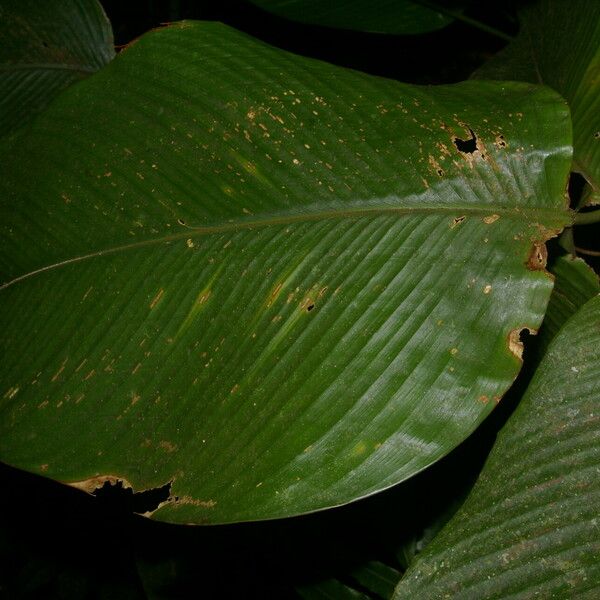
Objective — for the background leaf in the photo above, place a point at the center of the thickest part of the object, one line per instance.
(382, 16)
(575, 283)
(275, 284)
(45, 47)
(530, 524)
(559, 45)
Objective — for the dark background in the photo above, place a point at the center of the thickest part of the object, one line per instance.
(56, 542)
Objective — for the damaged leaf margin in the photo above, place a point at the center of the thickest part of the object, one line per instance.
(94, 484)
(254, 433)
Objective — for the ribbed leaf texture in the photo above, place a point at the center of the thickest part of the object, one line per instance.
(530, 526)
(559, 45)
(575, 283)
(275, 284)
(45, 46)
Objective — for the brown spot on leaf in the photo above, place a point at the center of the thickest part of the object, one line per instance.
(457, 221)
(167, 446)
(202, 503)
(500, 142)
(435, 165)
(60, 370)
(537, 257)
(515, 345)
(307, 304)
(157, 298)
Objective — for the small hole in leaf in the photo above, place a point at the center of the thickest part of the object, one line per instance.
(468, 146)
(525, 337)
(310, 307)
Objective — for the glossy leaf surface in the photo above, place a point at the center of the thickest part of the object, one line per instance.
(377, 16)
(530, 524)
(559, 45)
(277, 284)
(46, 46)
(575, 283)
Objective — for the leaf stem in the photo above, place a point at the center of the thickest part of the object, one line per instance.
(587, 218)
(586, 251)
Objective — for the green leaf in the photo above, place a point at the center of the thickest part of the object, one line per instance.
(575, 284)
(45, 47)
(530, 524)
(377, 16)
(559, 45)
(376, 577)
(277, 284)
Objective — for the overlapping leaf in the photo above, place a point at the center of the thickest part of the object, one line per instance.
(559, 45)
(575, 284)
(379, 16)
(45, 47)
(275, 284)
(530, 525)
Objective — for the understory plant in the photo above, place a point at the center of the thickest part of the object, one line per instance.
(247, 285)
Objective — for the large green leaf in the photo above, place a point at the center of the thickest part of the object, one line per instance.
(378, 16)
(44, 47)
(277, 284)
(530, 526)
(575, 284)
(559, 45)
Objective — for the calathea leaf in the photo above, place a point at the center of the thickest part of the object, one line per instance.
(275, 285)
(45, 47)
(378, 16)
(529, 525)
(559, 45)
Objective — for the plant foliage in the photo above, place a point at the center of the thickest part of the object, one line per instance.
(254, 285)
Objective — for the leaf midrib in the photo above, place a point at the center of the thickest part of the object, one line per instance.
(239, 225)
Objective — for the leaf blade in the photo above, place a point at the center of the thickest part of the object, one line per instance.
(286, 323)
(44, 48)
(529, 522)
(559, 45)
(399, 17)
